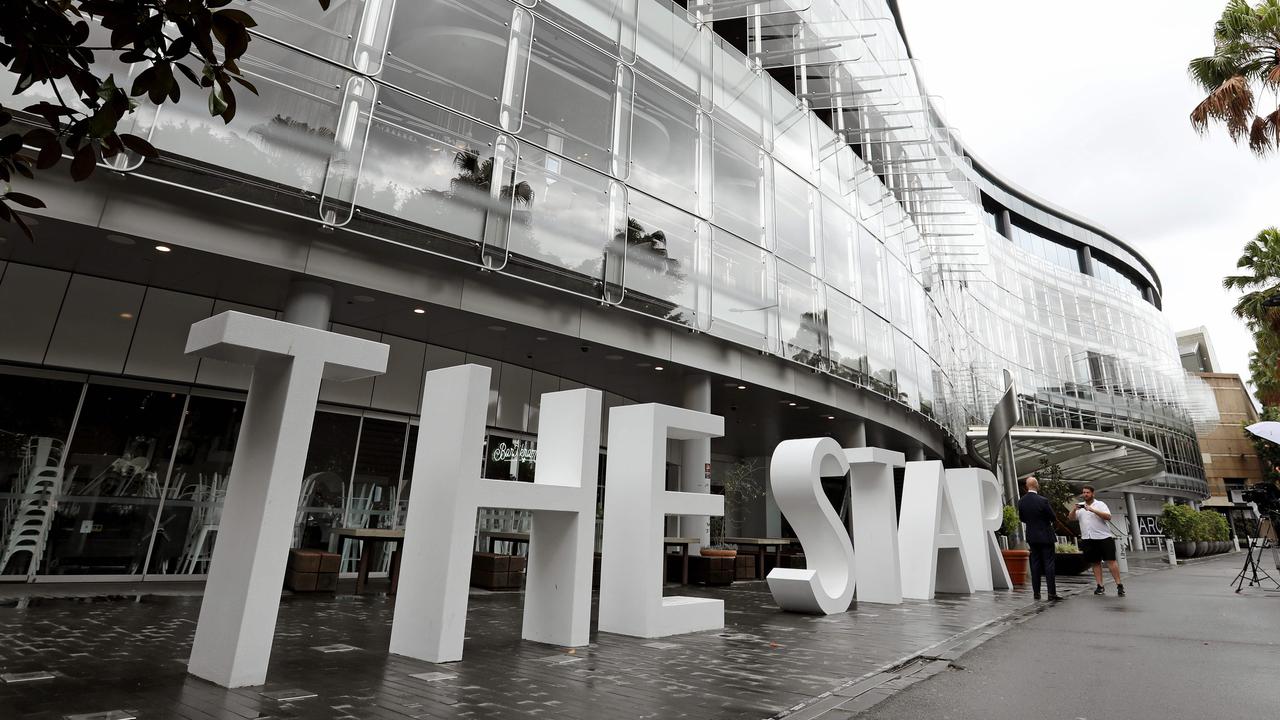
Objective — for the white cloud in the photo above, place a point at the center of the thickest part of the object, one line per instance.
(1085, 104)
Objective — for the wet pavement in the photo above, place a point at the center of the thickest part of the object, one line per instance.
(128, 652)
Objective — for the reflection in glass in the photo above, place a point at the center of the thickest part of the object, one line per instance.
(848, 354)
(117, 468)
(744, 301)
(904, 356)
(569, 104)
(661, 248)
(738, 185)
(325, 478)
(664, 145)
(880, 365)
(802, 321)
(35, 418)
(794, 237)
(875, 286)
(839, 247)
(192, 509)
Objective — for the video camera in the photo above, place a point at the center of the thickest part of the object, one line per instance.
(1266, 496)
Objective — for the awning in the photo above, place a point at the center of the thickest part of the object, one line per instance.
(1103, 460)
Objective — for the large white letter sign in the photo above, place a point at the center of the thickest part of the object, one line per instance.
(435, 569)
(241, 599)
(873, 522)
(933, 555)
(970, 490)
(635, 506)
(795, 476)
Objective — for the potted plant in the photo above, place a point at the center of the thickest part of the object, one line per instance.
(1068, 560)
(1178, 522)
(1017, 560)
(739, 489)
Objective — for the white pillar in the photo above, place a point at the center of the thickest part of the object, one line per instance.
(238, 614)
(1135, 532)
(310, 304)
(695, 460)
(916, 454)
(856, 436)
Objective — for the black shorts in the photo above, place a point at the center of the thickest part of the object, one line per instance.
(1098, 550)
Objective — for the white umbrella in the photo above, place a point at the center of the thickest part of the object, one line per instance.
(1268, 430)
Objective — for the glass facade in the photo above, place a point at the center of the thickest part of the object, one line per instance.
(805, 204)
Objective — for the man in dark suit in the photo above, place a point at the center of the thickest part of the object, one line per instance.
(1037, 514)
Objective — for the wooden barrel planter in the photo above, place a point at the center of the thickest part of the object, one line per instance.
(1018, 562)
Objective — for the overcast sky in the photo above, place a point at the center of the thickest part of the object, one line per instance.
(1085, 104)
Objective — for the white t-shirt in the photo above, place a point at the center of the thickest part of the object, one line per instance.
(1093, 527)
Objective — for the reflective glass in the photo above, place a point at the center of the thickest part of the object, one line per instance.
(848, 355)
(744, 302)
(900, 283)
(662, 273)
(193, 502)
(738, 185)
(875, 285)
(116, 470)
(453, 51)
(35, 419)
(904, 356)
(880, 365)
(792, 133)
(326, 478)
(840, 247)
(794, 236)
(670, 47)
(330, 33)
(664, 145)
(802, 318)
(569, 101)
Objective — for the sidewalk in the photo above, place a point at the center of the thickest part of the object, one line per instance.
(128, 653)
(1182, 644)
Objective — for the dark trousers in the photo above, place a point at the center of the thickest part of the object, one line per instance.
(1042, 564)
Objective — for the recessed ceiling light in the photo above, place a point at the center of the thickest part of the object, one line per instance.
(120, 239)
(498, 328)
(362, 298)
(613, 356)
(742, 387)
(791, 404)
(831, 417)
(126, 316)
(419, 311)
(163, 248)
(657, 367)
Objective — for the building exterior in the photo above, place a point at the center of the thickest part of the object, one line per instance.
(1196, 351)
(748, 209)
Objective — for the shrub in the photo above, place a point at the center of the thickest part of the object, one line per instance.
(1066, 549)
(1179, 522)
(1011, 521)
(1215, 525)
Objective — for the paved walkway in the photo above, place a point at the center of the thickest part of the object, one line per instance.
(1182, 644)
(121, 651)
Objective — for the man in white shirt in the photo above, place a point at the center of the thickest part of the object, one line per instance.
(1095, 538)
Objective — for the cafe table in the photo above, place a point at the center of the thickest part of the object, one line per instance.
(757, 547)
(366, 536)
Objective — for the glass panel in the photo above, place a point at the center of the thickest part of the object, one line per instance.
(116, 470)
(282, 138)
(370, 498)
(743, 301)
(708, 10)
(560, 235)
(900, 295)
(738, 185)
(569, 104)
(429, 168)
(840, 247)
(193, 501)
(328, 33)
(663, 273)
(670, 47)
(794, 237)
(325, 478)
(848, 346)
(455, 52)
(740, 92)
(793, 133)
(875, 286)
(802, 320)
(35, 418)
(510, 458)
(904, 356)
(664, 146)
(880, 367)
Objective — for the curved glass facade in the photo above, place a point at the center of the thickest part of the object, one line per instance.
(772, 174)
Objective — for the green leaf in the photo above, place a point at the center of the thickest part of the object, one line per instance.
(84, 163)
(139, 146)
(24, 200)
(217, 105)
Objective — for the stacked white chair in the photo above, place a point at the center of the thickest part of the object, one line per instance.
(29, 528)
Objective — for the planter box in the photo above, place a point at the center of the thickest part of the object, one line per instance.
(313, 561)
(711, 570)
(1069, 563)
(745, 568)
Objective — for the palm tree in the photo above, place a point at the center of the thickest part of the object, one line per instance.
(476, 174)
(1246, 55)
(1261, 285)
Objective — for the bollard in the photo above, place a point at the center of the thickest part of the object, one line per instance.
(1173, 558)
(1122, 555)
(1235, 539)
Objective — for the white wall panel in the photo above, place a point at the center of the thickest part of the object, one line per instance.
(356, 392)
(96, 324)
(400, 389)
(159, 344)
(29, 301)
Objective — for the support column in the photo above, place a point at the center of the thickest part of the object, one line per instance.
(237, 622)
(695, 460)
(856, 436)
(916, 454)
(310, 304)
(1135, 532)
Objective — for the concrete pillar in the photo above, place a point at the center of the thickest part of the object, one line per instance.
(915, 454)
(237, 622)
(1086, 261)
(1135, 532)
(695, 460)
(855, 436)
(1004, 224)
(310, 304)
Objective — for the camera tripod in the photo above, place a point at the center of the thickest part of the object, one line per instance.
(1251, 570)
